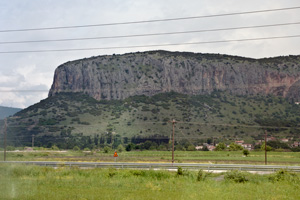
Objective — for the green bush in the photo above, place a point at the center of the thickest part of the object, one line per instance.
(112, 172)
(236, 176)
(54, 147)
(76, 148)
(235, 147)
(191, 148)
(138, 172)
(10, 148)
(179, 171)
(120, 148)
(263, 147)
(246, 152)
(106, 149)
(284, 175)
(200, 175)
(220, 147)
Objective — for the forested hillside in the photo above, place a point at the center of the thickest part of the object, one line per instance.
(74, 119)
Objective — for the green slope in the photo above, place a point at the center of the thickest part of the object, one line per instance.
(70, 118)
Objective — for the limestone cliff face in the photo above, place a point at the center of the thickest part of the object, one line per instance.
(149, 73)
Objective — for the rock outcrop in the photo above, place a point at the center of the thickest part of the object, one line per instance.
(148, 73)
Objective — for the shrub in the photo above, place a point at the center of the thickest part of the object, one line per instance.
(86, 149)
(130, 146)
(220, 147)
(236, 176)
(54, 147)
(106, 149)
(76, 148)
(111, 172)
(179, 171)
(120, 148)
(191, 148)
(263, 147)
(138, 172)
(201, 175)
(10, 148)
(246, 152)
(284, 175)
(235, 147)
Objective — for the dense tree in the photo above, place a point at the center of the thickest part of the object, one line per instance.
(246, 152)
(262, 147)
(220, 147)
(235, 147)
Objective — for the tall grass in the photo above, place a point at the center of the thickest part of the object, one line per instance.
(34, 182)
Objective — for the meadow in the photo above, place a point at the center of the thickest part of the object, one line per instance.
(35, 182)
(216, 157)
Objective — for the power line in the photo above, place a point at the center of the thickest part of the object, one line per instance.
(150, 21)
(153, 45)
(24, 91)
(150, 34)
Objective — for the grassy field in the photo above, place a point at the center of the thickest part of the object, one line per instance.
(34, 182)
(234, 157)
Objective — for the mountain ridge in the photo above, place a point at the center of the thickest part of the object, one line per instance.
(149, 73)
(8, 111)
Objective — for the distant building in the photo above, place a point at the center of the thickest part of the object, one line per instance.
(211, 147)
(284, 140)
(28, 148)
(240, 142)
(271, 139)
(296, 144)
(259, 142)
(247, 146)
(199, 147)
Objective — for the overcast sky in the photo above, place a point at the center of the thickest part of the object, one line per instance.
(25, 78)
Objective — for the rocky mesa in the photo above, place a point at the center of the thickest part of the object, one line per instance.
(149, 73)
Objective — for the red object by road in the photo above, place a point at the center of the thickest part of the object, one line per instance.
(115, 154)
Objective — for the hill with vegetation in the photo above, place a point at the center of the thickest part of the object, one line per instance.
(74, 119)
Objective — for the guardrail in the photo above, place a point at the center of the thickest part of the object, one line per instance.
(209, 167)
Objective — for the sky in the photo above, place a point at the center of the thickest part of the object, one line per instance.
(25, 78)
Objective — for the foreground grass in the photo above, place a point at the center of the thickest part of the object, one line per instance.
(230, 157)
(34, 182)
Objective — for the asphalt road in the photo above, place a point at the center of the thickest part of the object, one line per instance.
(168, 166)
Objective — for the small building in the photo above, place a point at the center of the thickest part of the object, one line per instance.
(199, 147)
(296, 144)
(211, 147)
(28, 148)
(247, 146)
(271, 139)
(284, 140)
(240, 142)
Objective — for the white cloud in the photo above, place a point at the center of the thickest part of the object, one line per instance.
(35, 70)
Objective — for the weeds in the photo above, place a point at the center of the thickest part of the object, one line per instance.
(201, 176)
(236, 176)
(112, 172)
(284, 175)
(179, 171)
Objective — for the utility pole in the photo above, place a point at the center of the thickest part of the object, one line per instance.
(4, 132)
(32, 140)
(265, 147)
(173, 123)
